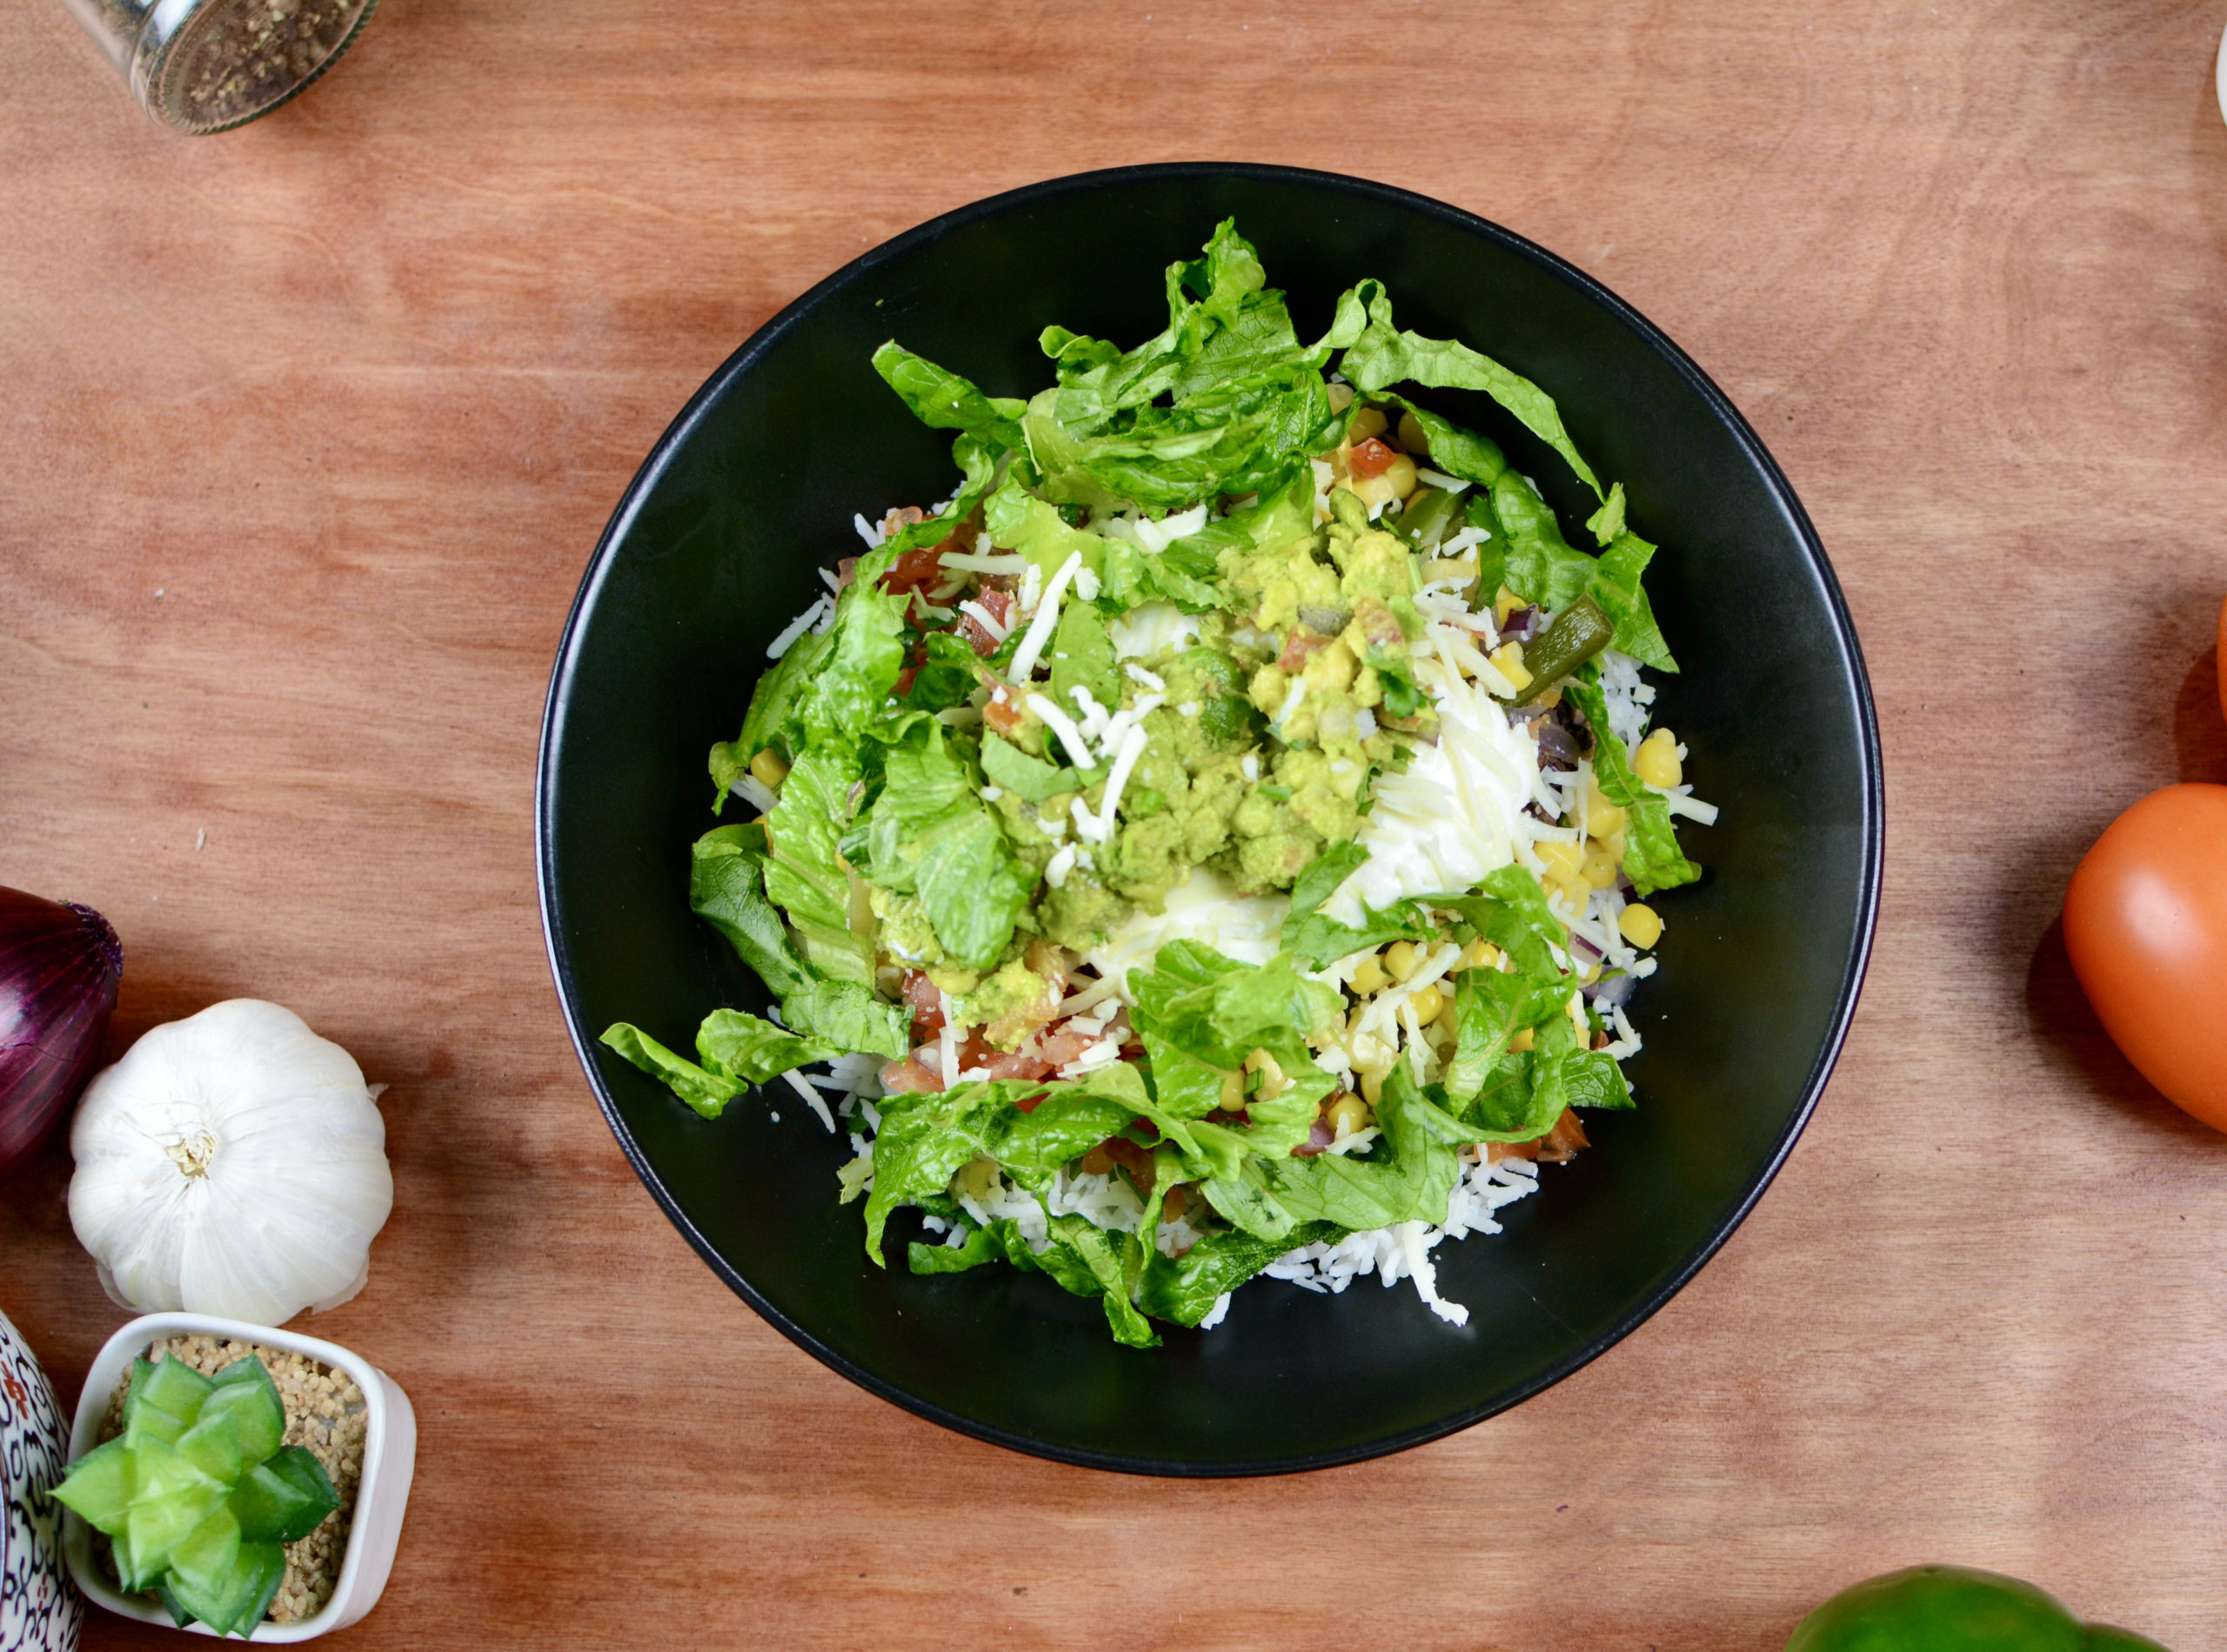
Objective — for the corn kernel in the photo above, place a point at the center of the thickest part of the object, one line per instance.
(1400, 473)
(1565, 861)
(1412, 437)
(1640, 924)
(1507, 660)
(1370, 421)
(1576, 1007)
(1481, 955)
(1523, 1040)
(1369, 976)
(1656, 761)
(1342, 397)
(1600, 867)
(1602, 818)
(1374, 491)
(1271, 1073)
(1371, 1084)
(1401, 959)
(1505, 602)
(974, 1177)
(1347, 1114)
(1445, 1019)
(1426, 1001)
(770, 769)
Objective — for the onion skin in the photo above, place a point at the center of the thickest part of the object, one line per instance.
(59, 966)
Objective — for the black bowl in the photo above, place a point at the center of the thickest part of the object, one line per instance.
(720, 541)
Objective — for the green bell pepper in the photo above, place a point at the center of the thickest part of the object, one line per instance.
(1953, 1608)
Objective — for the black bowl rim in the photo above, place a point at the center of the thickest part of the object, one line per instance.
(796, 313)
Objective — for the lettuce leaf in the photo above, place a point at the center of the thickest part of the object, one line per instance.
(1317, 940)
(1247, 402)
(854, 680)
(1384, 356)
(1407, 1177)
(1652, 859)
(726, 888)
(950, 672)
(1605, 523)
(1030, 777)
(1615, 586)
(848, 1017)
(1490, 1007)
(801, 871)
(931, 832)
(1082, 654)
(1017, 520)
(733, 1052)
(1528, 1092)
(1081, 1259)
(776, 706)
(1510, 910)
(982, 466)
(1542, 566)
(1134, 577)
(750, 1048)
(705, 1091)
(1221, 1010)
(1457, 451)
(942, 400)
(926, 1137)
(1182, 1289)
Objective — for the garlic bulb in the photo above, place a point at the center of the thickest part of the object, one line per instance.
(232, 1163)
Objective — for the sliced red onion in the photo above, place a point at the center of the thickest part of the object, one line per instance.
(59, 966)
(1612, 992)
(1558, 748)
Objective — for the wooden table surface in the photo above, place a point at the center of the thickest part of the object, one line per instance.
(306, 434)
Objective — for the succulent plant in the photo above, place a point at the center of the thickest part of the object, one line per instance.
(196, 1493)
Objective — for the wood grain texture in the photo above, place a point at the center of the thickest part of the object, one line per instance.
(306, 432)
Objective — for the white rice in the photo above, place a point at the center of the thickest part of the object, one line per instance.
(1403, 1251)
(1626, 696)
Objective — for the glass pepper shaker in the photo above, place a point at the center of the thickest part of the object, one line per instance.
(208, 65)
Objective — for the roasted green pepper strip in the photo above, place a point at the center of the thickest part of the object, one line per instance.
(1426, 516)
(1953, 1608)
(1579, 632)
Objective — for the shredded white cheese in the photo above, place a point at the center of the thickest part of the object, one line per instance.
(1132, 747)
(1048, 616)
(822, 608)
(983, 618)
(1063, 726)
(984, 562)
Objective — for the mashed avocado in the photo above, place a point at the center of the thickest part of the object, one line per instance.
(1009, 1003)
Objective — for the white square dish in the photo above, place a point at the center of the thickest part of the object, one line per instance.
(381, 1494)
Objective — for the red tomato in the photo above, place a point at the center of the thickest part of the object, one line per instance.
(2146, 922)
(914, 569)
(1369, 458)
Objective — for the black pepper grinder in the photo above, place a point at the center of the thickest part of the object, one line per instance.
(209, 65)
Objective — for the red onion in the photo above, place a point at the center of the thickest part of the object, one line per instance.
(59, 966)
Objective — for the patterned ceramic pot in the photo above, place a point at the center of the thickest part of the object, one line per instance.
(40, 1609)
